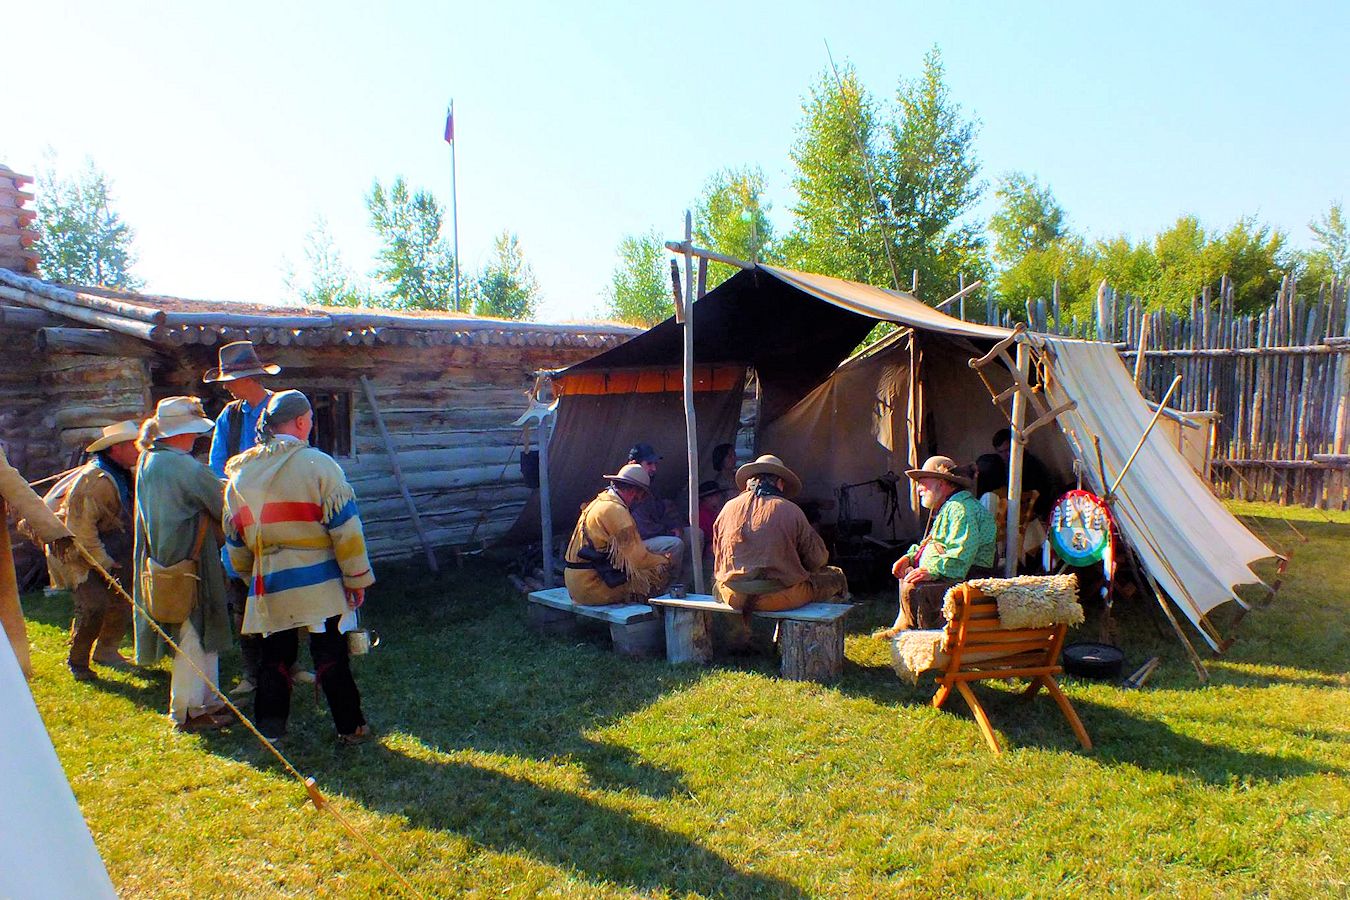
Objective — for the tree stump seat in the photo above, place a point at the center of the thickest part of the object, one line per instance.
(634, 627)
(810, 638)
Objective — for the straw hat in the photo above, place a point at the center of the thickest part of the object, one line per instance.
(239, 360)
(769, 464)
(632, 475)
(941, 468)
(115, 434)
(181, 415)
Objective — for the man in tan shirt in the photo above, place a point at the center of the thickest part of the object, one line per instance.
(766, 556)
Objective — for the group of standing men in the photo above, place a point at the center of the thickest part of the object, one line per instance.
(275, 512)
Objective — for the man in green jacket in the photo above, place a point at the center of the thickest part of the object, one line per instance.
(959, 545)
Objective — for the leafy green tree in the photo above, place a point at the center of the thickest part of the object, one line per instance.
(506, 288)
(930, 182)
(414, 261)
(639, 291)
(1330, 258)
(732, 218)
(330, 282)
(1254, 258)
(81, 238)
(839, 230)
(1028, 218)
(920, 160)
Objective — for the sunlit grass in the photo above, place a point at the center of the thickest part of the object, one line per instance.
(516, 765)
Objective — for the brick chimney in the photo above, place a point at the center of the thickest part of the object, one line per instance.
(16, 233)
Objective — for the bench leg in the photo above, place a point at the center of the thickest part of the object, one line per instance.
(1069, 713)
(943, 692)
(688, 635)
(980, 717)
(547, 620)
(812, 651)
(637, 639)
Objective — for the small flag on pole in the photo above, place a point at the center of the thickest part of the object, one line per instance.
(450, 125)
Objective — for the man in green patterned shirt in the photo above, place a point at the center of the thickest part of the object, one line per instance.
(959, 545)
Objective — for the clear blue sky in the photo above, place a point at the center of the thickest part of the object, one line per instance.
(227, 128)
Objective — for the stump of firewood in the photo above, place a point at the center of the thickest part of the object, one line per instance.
(547, 620)
(811, 651)
(638, 639)
(688, 635)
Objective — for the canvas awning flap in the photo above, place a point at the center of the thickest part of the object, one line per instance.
(1184, 536)
(879, 303)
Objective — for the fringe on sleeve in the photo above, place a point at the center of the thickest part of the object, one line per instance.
(628, 554)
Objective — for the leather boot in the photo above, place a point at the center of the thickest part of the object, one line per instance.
(116, 618)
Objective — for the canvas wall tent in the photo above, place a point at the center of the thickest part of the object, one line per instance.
(912, 395)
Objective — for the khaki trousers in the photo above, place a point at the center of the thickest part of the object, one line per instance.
(829, 583)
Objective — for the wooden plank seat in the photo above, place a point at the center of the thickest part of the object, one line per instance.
(634, 627)
(978, 647)
(810, 638)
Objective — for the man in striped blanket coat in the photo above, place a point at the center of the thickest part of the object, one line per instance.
(291, 526)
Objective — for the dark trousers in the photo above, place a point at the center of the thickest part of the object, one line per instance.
(250, 645)
(332, 671)
(921, 603)
(100, 615)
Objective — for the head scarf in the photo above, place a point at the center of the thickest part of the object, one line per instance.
(283, 407)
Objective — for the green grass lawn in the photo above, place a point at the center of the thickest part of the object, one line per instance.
(510, 764)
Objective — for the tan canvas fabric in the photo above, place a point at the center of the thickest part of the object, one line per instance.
(1184, 536)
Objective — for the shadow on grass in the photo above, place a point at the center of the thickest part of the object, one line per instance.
(511, 815)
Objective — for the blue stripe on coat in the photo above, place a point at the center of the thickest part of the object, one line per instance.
(342, 515)
(233, 541)
(302, 576)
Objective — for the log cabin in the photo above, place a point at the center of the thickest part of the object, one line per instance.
(431, 396)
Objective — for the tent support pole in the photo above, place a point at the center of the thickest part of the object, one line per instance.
(390, 449)
(1013, 548)
(545, 501)
(690, 425)
(1196, 661)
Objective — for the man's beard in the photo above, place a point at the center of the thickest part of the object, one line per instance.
(930, 500)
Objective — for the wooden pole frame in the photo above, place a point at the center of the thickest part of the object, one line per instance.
(545, 497)
(690, 420)
(1017, 451)
(398, 472)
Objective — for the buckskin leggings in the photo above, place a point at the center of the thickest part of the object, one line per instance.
(332, 671)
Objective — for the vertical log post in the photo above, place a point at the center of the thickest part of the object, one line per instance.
(1018, 451)
(690, 424)
(545, 501)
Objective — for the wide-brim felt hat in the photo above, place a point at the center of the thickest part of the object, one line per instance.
(768, 464)
(239, 360)
(119, 433)
(942, 468)
(632, 475)
(181, 415)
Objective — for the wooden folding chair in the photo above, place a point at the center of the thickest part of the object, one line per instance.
(980, 648)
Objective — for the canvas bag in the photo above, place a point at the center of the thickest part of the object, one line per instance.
(171, 591)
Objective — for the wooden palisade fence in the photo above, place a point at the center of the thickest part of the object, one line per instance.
(1279, 381)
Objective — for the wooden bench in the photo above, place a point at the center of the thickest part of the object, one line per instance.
(810, 638)
(635, 627)
(979, 648)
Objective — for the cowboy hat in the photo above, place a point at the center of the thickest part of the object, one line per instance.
(941, 468)
(180, 415)
(239, 360)
(769, 464)
(632, 475)
(115, 434)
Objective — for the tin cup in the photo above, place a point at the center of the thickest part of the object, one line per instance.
(677, 591)
(362, 641)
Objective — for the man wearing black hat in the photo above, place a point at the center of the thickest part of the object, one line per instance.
(659, 522)
(236, 430)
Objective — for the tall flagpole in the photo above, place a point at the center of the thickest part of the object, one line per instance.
(454, 200)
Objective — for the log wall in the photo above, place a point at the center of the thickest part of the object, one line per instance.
(449, 412)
